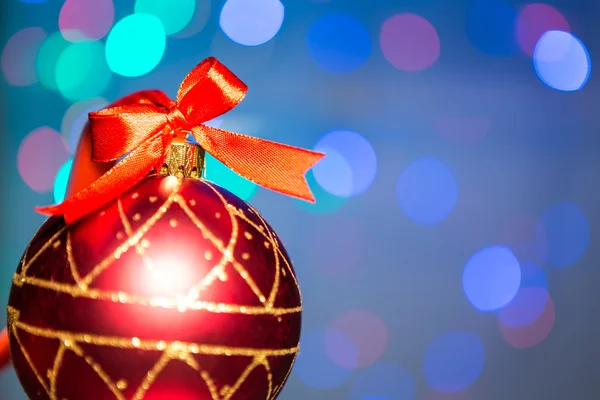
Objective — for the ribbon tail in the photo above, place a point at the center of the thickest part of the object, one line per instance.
(276, 166)
(116, 181)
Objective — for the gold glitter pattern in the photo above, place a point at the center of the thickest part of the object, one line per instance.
(171, 351)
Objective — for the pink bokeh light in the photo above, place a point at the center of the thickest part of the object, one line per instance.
(86, 19)
(18, 56)
(409, 42)
(522, 337)
(40, 156)
(525, 308)
(366, 330)
(533, 21)
(341, 349)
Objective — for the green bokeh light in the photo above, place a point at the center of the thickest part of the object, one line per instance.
(325, 202)
(174, 14)
(82, 71)
(47, 59)
(220, 174)
(135, 45)
(61, 181)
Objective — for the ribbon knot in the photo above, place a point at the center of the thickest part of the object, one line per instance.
(176, 120)
(143, 124)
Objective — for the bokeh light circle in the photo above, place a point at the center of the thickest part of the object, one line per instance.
(314, 368)
(534, 20)
(427, 191)
(562, 61)
(453, 361)
(220, 174)
(567, 231)
(491, 27)
(86, 19)
(135, 45)
(341, 349)
(18, 56)
(491, 278)
(41, 154)
(334, 173)
(198, 21)
(47, 58)
(251, 22)
(349, 166)
(174, 14)
(339, 43)
(82, 71)
(409, 42)
(464, 131)
(75, 119)
(383, 381)
(325, 202)
(62, 181)
(366, 330)
(532, 334)
(524, 308)
(532, 276)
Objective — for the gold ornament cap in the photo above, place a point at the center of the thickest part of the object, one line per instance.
(184, 160)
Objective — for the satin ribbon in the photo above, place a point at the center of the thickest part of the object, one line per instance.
(143, 124)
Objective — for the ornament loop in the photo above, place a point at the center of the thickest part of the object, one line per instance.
(176, 120)
(184, 160)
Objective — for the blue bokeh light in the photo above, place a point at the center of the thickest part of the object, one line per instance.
(350, 164)
(427, 191)
(223, 176)
(562, 61)
(135, 45)
(339, 43)
(314, 367)
(453, 361)
(251, 22)
(325, 202)
(491, 27)
(334, 172)
(567, 232)
(532, 276)
(383, 381)
(491, 278)
(62, 181)
(175, 15)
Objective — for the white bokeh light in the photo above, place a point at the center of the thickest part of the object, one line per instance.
(562, 61)
(251, 22)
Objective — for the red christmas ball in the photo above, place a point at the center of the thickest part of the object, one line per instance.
(177, 290)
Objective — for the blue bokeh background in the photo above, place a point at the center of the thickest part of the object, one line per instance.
(451, 253)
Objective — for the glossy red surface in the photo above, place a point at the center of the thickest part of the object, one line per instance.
(178, 290)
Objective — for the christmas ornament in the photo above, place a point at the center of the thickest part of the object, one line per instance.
(153, 283)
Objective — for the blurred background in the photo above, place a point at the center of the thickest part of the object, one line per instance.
(451, 252)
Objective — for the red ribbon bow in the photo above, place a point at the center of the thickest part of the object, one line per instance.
(143, 124)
